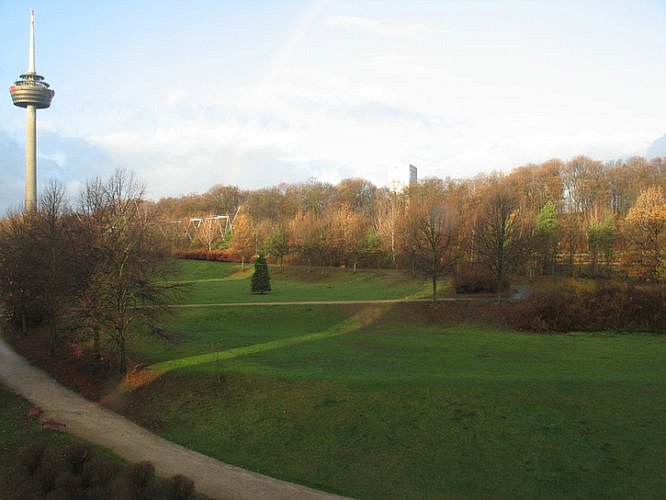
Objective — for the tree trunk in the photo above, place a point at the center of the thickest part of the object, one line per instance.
(96, 347)
(53, 336)
(122, 356)
(500, 278)
(24, 323)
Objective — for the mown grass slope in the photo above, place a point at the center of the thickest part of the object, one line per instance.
(410, 400)
(218, 282)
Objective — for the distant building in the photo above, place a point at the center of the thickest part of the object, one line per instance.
(402, 178)
(413, 176)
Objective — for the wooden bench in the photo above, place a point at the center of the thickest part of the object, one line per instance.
(54, 426)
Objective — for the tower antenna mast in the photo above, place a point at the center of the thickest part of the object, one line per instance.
(31, 54)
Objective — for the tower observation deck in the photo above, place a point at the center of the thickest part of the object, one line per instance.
(33, 93)
(31, 90)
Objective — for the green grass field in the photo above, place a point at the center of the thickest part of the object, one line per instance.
(217, 282)
(403, 400)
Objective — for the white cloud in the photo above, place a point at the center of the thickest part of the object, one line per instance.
(382, 27)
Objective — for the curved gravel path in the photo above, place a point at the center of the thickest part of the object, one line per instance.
(106, 428)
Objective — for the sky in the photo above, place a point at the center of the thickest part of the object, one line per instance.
(192, 94)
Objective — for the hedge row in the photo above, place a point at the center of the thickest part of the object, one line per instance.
(227, 255)
(569, 308)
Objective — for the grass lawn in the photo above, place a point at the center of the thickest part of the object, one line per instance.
(221, 282)
(388, 401)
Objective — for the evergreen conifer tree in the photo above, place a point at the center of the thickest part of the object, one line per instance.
(261, 281)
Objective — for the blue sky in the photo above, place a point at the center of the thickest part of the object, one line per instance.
(192, 94)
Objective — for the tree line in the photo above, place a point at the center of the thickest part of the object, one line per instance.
(101, 265)
(570, 218)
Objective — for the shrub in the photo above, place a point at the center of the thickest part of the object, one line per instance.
(178, 487)
(100, 473)
(601, 307)
(140, 481)
(646, 309)
(36, 471)
(77, 471)
(30, 458)
(46, 476)
(76, 456)
(473, 279)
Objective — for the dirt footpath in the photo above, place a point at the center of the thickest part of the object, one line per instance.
(106, 428)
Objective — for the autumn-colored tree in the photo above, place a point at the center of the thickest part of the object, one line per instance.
(311, 237)
(585, 185)
(628, 178)
(223, 200)
(347, 232)
(263, 228)
(210, 232)
(266, 204)
(549, 185)
(547, 235)
(645, 232)
(278, 244)
(243, 238)
(600, 240)
(314, 196)
(572, 239)
(358, 195)
(389, 209)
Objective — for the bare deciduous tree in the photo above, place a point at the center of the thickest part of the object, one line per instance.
(431, 235)
(499, 245)
(56, 257)
(19, 281)
(130, 260)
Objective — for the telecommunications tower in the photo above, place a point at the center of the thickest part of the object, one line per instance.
(33, 93)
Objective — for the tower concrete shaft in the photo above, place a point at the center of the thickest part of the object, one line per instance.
(31, 159)
(33, 93)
